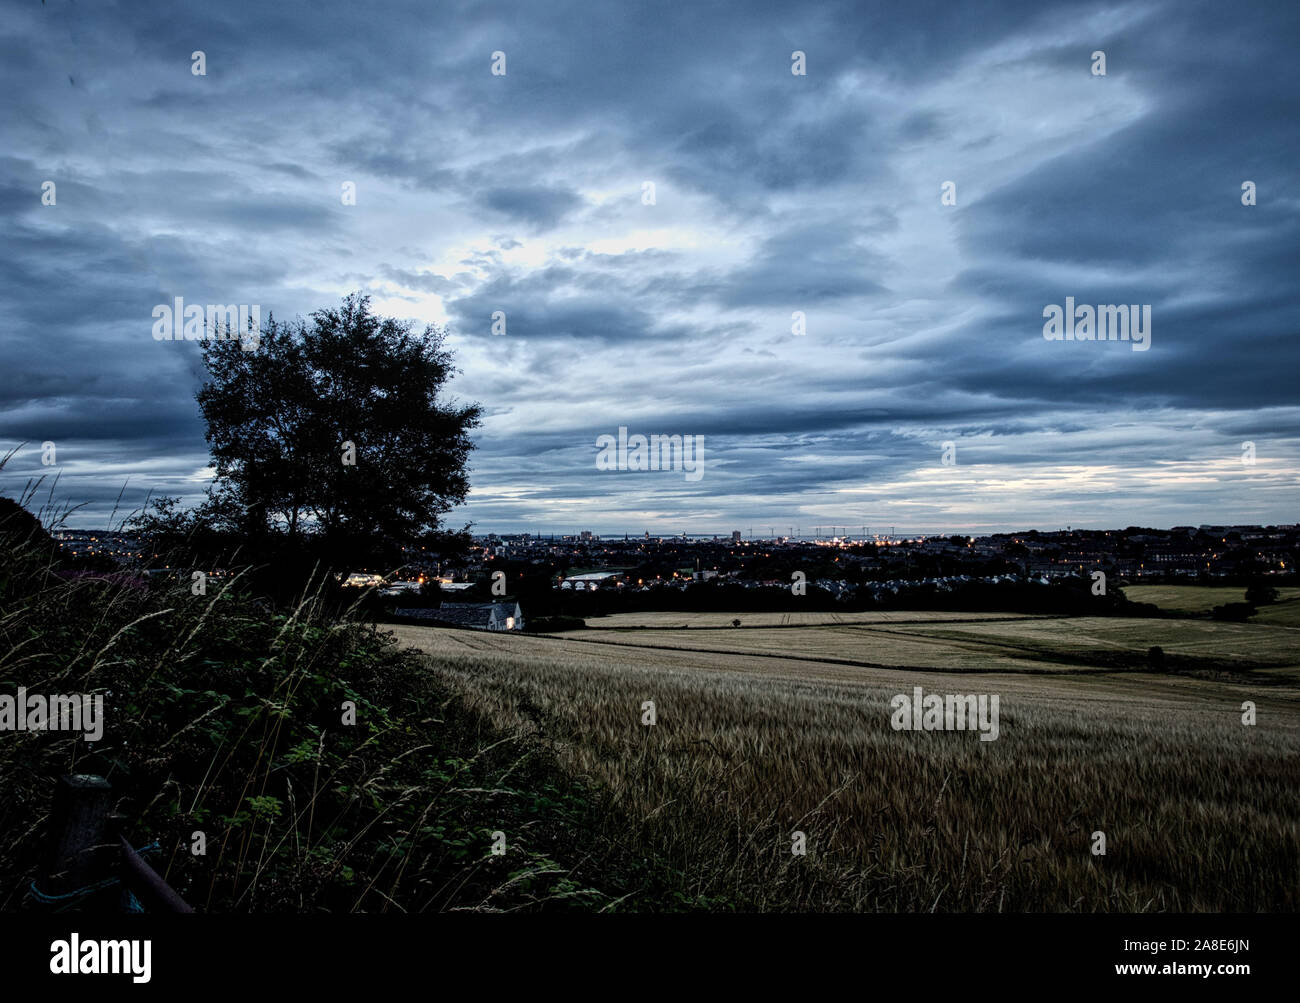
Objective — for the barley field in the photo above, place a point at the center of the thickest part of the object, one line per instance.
(994, 643)
(1197, 598)
(785, 731)
(1284, 614)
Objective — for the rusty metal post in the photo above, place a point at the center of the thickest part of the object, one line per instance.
(155, 894)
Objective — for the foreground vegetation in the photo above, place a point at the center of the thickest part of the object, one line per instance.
(226, 718)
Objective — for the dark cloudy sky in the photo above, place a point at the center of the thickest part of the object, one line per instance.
(774, 193)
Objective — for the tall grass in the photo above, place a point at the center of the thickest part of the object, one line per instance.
(1200, 812)
(225, 717)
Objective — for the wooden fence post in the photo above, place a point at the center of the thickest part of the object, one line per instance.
(77, 821)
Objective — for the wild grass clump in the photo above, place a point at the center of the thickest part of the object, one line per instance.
(226, 717)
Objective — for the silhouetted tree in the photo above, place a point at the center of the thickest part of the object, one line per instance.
(284, 420)
(1261, 594)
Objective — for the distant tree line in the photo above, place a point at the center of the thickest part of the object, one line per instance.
(539, 598)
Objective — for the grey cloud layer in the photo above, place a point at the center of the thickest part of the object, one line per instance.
(774, 194)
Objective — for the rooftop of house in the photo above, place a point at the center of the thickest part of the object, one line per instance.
(461, 614)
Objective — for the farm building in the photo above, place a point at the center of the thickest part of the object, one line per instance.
(476, 616)
(592, 581)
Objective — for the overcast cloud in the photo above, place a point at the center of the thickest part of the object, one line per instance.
(774, 193)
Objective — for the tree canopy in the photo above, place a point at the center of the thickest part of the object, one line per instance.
(336, 428)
